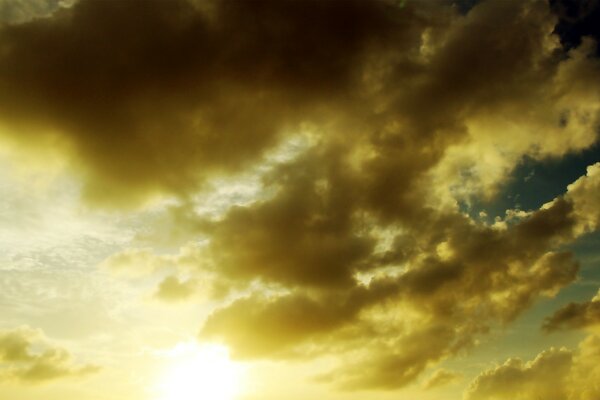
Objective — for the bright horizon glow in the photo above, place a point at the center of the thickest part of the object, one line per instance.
(200, 372)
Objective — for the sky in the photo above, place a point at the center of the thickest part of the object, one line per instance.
(292, 199)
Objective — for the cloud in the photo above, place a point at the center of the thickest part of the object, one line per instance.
(256, 326)
(586, 373)
(439, 303)
(455, 280)
(554, 374)
(484, 275)
(575, 316)
(262, 326)
(543, 377)
(304, 235)
(199, 90)
(15, 12)
(181, 274)
(454, 276)
(27, 357)
(191, 92)
(132, 262)
(355, 245)
(391, 367)
(585, 194)
(173, 289)
(441, 377)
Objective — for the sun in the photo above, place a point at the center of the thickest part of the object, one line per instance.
(200, 372)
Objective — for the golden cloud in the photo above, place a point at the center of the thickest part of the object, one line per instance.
(441, 377)
(543, 377)
(26, 356)
(553, 374)
(410, 108)
(487, 274)
(575, 316)
(174, 289)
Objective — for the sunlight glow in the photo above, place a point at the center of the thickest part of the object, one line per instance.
(200, 372)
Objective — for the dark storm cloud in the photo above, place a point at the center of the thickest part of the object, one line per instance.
(307, 234)
(154, 95)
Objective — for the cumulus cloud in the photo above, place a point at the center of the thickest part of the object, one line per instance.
(27, 356)
(455, 279)
(543, 377)
(488, 275)
(585, 194)
(557, 374)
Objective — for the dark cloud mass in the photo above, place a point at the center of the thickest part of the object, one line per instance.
(575, 316)
(488, 274)
(154, 95)
(356, 245)
(315, 198)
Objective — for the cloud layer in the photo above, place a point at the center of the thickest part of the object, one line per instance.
(360, 243)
